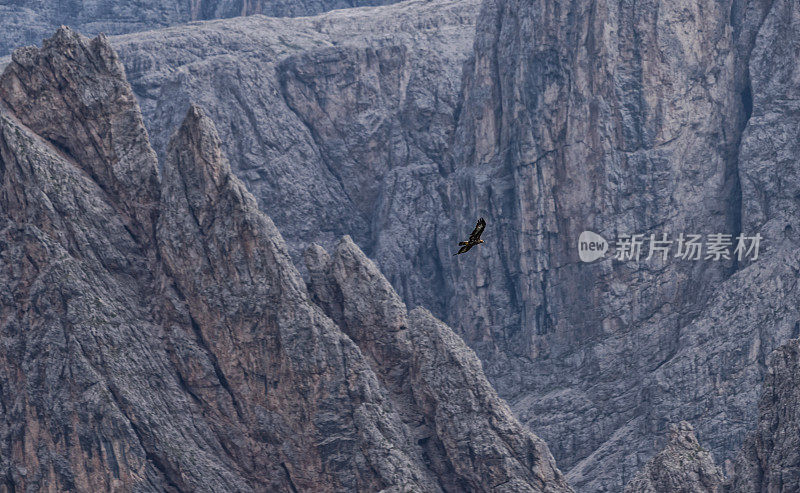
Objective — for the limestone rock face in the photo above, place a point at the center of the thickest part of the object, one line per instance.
(157, 337)
(769, 460)
(646, 117)
(434, 379)
(399, 125)
(684, 466)
(91, 116)
(27, 22)
(653, 118)
(338, 124)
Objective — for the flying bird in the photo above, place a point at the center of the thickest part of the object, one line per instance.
(474, 238)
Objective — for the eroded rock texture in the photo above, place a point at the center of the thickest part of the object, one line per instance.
(157, 337)
(622, 118)
(435, 380)
(684, 466)
(634, 117)
(27, 22)
(649, 118)
(338, 124)
(770, 458)
(628, 118)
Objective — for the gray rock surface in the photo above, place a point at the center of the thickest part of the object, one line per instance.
(90, 115)
(622, 119)
(608, 118)
(435, 380)
(339, 124)
(27, 22)
(157, 337)
(684, 466)
(770, 457)
(645, 117)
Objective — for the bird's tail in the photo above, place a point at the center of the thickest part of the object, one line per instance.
(456, 254)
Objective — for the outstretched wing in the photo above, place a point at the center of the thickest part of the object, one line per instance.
(464, 248)
(476, 233)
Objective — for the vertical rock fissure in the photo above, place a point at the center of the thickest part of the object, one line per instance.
(745, 101)
(289, 477)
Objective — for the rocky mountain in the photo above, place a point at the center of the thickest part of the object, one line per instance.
(27, 22)
(400, 125)
(548, 121)
(436, 381)
(769, 460)
(683, 466)
(339, 124)
(646, 118)
(157, 337)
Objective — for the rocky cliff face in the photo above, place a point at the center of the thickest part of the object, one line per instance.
(157, 336)
(338, 124)
(769, 460)
(435, 380)
(27, 22)
(683, 466)
(646, 118)
(620, 119)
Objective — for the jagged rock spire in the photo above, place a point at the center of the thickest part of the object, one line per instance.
(435, 381)
(684, 466)
(73, 93)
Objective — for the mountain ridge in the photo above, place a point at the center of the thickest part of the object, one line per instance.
(159, 338)
(547, 121)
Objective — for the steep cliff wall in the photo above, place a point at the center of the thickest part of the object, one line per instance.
(769, 459)
(27, 22)
(621, 119)
(157, 336)
(645, 117)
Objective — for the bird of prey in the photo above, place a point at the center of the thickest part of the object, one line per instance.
(474, 238)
